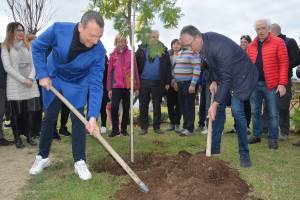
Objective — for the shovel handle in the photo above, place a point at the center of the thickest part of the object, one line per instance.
(106, 145)
(209, 131)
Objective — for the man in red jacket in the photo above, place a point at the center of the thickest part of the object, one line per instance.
(269, 54)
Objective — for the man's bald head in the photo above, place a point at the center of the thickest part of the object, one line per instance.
(276, 29)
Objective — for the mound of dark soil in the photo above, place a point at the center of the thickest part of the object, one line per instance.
(181, 177)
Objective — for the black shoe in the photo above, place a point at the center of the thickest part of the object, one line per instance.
(158, 131)
(143, 132)
(231, 131)
(5, 142)
(124, 133)
(31, 141)
(19, 143)
(254, 140)
(56, 135)
(113, 134)
(245, 162)
(171, 127)
(64, 131)
(273, 144)
(297, 144)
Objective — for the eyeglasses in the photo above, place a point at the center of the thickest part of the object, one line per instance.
(189, 44)
(193, 39)
(19, 30)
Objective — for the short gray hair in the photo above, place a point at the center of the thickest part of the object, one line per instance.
(190, 30)
(90, 16)
(267, 21)
(155, 31)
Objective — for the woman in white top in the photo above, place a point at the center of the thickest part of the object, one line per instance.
(22, 90)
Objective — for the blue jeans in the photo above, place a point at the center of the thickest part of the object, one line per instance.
(237, 108)
(78, 132)
(259, 94)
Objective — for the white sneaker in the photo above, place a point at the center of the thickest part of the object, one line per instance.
(185, 132)
(204, 131)
(39, 165)
(82, 170)
(103, 130)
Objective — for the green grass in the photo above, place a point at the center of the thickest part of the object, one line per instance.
(274, 175)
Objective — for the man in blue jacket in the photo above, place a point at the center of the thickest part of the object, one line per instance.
(231, 72)
(75, 67)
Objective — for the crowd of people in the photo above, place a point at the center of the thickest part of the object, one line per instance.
(70, 57)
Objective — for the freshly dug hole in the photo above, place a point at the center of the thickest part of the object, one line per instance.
(181, 177)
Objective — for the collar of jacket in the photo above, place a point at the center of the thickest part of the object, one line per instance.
(267, 40)
(117, 51)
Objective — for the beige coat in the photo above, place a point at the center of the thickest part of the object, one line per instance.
(17, 62)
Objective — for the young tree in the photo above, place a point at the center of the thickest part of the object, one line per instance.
(146, 10)
(33, 14)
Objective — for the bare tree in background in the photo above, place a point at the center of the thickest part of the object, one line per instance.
(33, 14)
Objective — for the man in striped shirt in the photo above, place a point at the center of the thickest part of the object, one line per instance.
(187, 72)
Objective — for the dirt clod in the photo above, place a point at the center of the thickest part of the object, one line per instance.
(181, 177)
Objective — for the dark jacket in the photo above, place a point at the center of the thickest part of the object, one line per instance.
(229, 66)
(165, 64)
(293, 53)
(2, 74)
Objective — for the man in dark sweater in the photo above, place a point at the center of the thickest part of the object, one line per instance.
(155, 76)
(3, 141)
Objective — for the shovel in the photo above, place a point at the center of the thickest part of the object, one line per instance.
(106, 145)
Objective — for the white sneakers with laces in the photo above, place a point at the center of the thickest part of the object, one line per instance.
(81, 169)
(39, 165)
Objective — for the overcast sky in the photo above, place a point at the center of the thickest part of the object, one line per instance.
(232, 18)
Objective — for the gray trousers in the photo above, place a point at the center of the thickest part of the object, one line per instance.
(284, 111)
(2, 109)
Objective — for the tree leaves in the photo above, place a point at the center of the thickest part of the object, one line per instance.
(146, 11)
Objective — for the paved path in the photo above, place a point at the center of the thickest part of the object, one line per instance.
(14, 166)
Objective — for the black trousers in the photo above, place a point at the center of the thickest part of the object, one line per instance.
(119, 94)
(2, 109)
(284, 111)
(64, 115)
(202, 107)
(173, 106)
(103, 113)
(187, 105)
(150, 89)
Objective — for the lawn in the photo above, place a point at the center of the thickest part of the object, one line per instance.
(274, 175)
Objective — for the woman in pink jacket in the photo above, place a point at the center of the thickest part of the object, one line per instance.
(118, 84)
